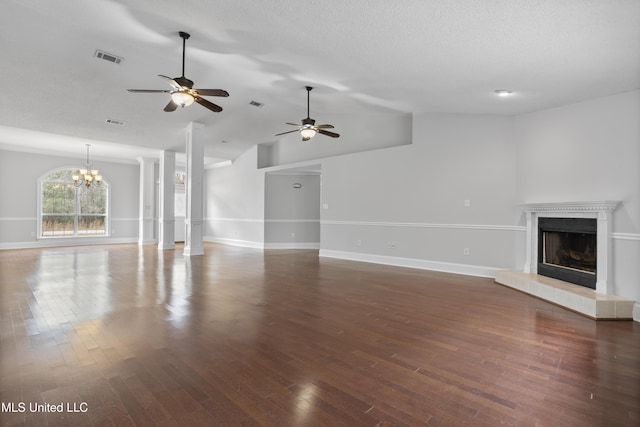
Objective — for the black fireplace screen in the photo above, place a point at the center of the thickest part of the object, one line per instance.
(567, 249)
(576, 251)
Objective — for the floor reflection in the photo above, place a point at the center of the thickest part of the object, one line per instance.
(284, 337)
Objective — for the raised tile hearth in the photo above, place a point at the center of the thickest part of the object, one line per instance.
(573, 297)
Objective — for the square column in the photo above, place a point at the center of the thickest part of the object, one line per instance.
(194, 223)
(146, 229)
(167, 200)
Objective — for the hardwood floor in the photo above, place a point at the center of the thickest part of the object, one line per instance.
(127, 335)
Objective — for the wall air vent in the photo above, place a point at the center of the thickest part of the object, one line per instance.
(256, 103)
(108, 57)
(114, 122)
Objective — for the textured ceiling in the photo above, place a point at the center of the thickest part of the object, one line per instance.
(365, 56)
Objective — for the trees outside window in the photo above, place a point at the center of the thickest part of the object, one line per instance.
(69, 211)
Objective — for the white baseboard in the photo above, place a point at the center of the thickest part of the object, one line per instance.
(636, 311)
(261, 245)
(147, 242)
(66, 242)
(235, 242)
(292, 245)
(447, 267)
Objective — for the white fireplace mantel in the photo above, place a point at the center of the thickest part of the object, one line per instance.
(600, 210)
(598, 206)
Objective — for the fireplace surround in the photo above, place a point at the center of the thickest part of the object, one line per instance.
(600, 211)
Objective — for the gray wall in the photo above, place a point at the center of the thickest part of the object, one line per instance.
(292, 215)
(19, 174)
(234, 205)
(407, 205)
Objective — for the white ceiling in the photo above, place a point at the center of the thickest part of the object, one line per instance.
(361, 56)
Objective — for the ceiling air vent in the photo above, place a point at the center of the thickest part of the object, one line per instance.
(114, 122)
(108, 57)
(256, 103)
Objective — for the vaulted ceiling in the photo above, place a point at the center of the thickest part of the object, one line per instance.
(361, 57)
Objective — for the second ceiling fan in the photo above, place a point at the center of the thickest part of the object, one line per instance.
(182, 91)
(308, 129)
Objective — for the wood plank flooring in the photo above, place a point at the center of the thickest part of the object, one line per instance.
(125, 335)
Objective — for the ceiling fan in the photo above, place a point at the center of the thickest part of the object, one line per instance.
(308, 128)
(182, 91)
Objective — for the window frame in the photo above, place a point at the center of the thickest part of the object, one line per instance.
(76, 215)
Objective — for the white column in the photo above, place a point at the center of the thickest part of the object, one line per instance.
(146, 230)
(604, 258)
(194, 224)
(528, 262)
(167, 198)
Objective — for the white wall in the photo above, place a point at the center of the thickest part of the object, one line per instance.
(292, 215)
(19, 174)
(234, 205)
(586, 152)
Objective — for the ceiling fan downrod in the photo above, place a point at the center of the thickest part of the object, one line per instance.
(185, 37)
(308, 92)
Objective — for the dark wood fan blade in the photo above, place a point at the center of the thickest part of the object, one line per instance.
(206, 104)
(283, 133)
(148, 91)
(212, 92)
(171, 106)
(324, 126)
(293, 124)
(172, 82)
(331, 134)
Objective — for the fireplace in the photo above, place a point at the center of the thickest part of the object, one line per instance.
(582, 216)
(567, 249)
(576, 238)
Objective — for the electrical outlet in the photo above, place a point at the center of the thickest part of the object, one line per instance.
(466, 251)
(358, 242)
(467, 203)
(392, 245)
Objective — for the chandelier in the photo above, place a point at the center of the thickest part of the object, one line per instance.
(87, 176)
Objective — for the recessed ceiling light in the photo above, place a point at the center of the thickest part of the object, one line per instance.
(503, 92)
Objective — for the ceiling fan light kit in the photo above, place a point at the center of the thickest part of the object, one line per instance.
(183, 99)
(307, 132)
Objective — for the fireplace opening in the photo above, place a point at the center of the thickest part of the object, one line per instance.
(567, 249)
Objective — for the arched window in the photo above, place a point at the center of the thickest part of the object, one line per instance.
(69, 211)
